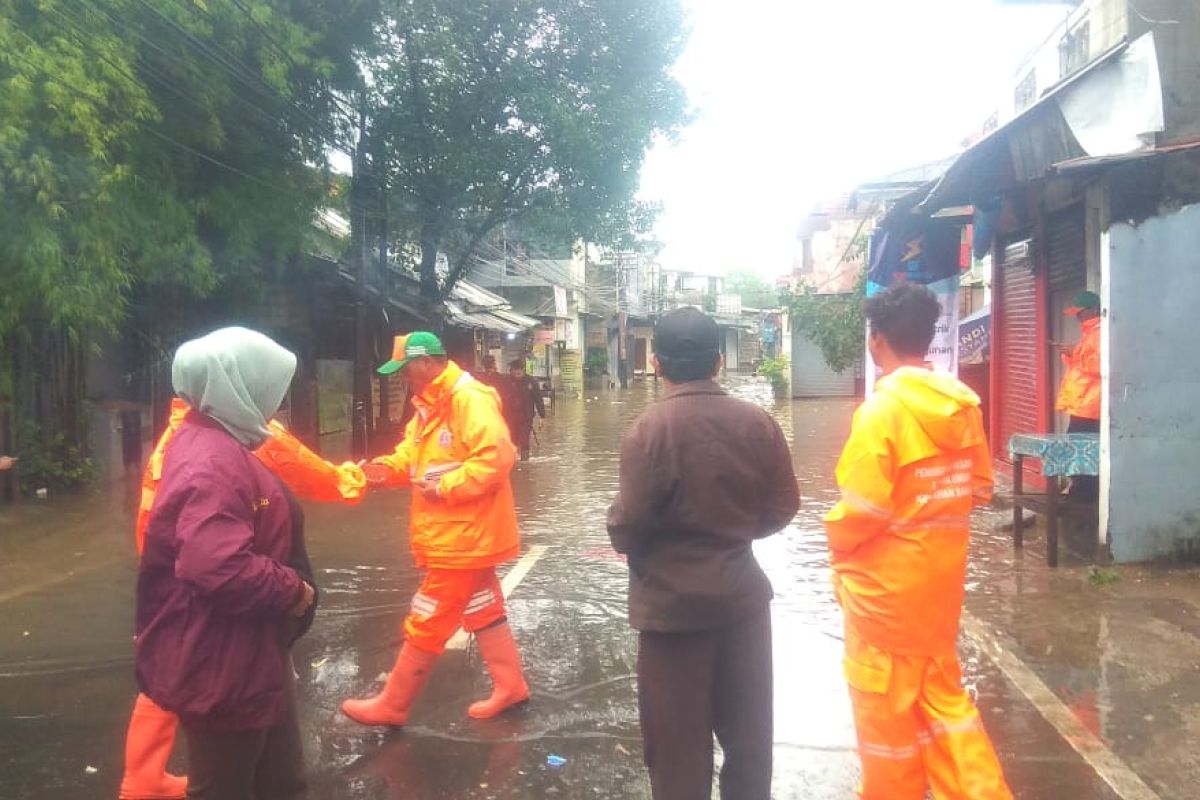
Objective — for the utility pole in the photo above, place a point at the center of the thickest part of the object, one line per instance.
(622, 324)
(383, 415)
(360, 196)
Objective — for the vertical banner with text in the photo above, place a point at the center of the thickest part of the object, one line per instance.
(927, 253)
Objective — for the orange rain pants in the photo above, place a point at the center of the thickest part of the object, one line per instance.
(449, 598)
(918, 728)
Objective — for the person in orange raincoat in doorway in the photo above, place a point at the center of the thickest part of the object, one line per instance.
(152, 730)
(1079, 392)
(457, 458)
(916, 462)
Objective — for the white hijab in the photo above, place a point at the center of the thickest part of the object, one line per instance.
(236, 376)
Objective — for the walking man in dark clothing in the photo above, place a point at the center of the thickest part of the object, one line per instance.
(702, 476)
(489, 375)
(521, 399)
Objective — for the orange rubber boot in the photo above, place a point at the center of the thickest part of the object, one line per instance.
(504, 663)
(404, 683)
(147, 749)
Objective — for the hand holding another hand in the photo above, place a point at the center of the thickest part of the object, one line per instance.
(376, 474)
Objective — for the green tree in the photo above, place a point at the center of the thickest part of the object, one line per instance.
(750, 286)
(834, 322)
(146, 146)
(71, 111)
(486, 112)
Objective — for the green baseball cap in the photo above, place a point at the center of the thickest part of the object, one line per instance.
(1084, 301)
(406, 348)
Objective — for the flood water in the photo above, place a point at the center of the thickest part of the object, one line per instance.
(66, 685)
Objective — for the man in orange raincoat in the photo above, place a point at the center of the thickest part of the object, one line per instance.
(1079, 393)
(457, 457)
(151, 735)
(916, 462)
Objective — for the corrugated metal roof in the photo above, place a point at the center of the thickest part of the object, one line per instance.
(456, 315)
(332, 223)
(515, 318)
(732, 321)
(497, 319)
(469, 306)
(475, 296)
(1099, 162)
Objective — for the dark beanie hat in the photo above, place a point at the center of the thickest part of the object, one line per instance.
(687, 333)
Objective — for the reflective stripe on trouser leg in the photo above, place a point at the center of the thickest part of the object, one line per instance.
(449, 598)
(883, 695)
(959, 758)
(486, 606)
(889, 746)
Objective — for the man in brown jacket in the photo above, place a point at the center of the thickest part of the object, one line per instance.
(702, 476)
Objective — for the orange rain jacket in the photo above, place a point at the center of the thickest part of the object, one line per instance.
(458, 438)
(304, 472)
(916, 462)
(1079, 394)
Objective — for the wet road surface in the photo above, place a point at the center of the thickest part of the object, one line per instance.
(66, 687)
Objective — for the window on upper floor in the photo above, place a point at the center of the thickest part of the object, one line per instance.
(1026, 91)
(1074, 50)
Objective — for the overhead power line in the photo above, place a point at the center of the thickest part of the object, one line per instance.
(76, 26)
(249, 78)
(288, 56)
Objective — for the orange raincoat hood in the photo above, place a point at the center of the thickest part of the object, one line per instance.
(941, 406)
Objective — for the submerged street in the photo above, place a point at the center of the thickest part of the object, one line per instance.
(303, 223)
(66, 677)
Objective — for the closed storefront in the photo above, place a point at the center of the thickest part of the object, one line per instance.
(1018, 349)
(812, 377)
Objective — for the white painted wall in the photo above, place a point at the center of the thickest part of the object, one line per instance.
(1151, 414)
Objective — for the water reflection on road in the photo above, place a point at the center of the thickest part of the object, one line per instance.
(66, 677)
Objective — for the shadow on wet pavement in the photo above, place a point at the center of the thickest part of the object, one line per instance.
(66, 669)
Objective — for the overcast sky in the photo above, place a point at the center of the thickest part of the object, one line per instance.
(799, 100)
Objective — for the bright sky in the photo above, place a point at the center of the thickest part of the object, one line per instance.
(801, 100)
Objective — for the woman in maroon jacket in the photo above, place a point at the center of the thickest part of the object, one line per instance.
(224, 586)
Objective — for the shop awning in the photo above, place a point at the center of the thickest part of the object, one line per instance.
(468, 306)
(473, 296)
(1048, 132)
(510, 316)
(472, 306)
(1089, 163)
(496, 319)
(731, 321)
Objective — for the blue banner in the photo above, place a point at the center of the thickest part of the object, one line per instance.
(973, 337)
(928, 253)
(923, 254)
